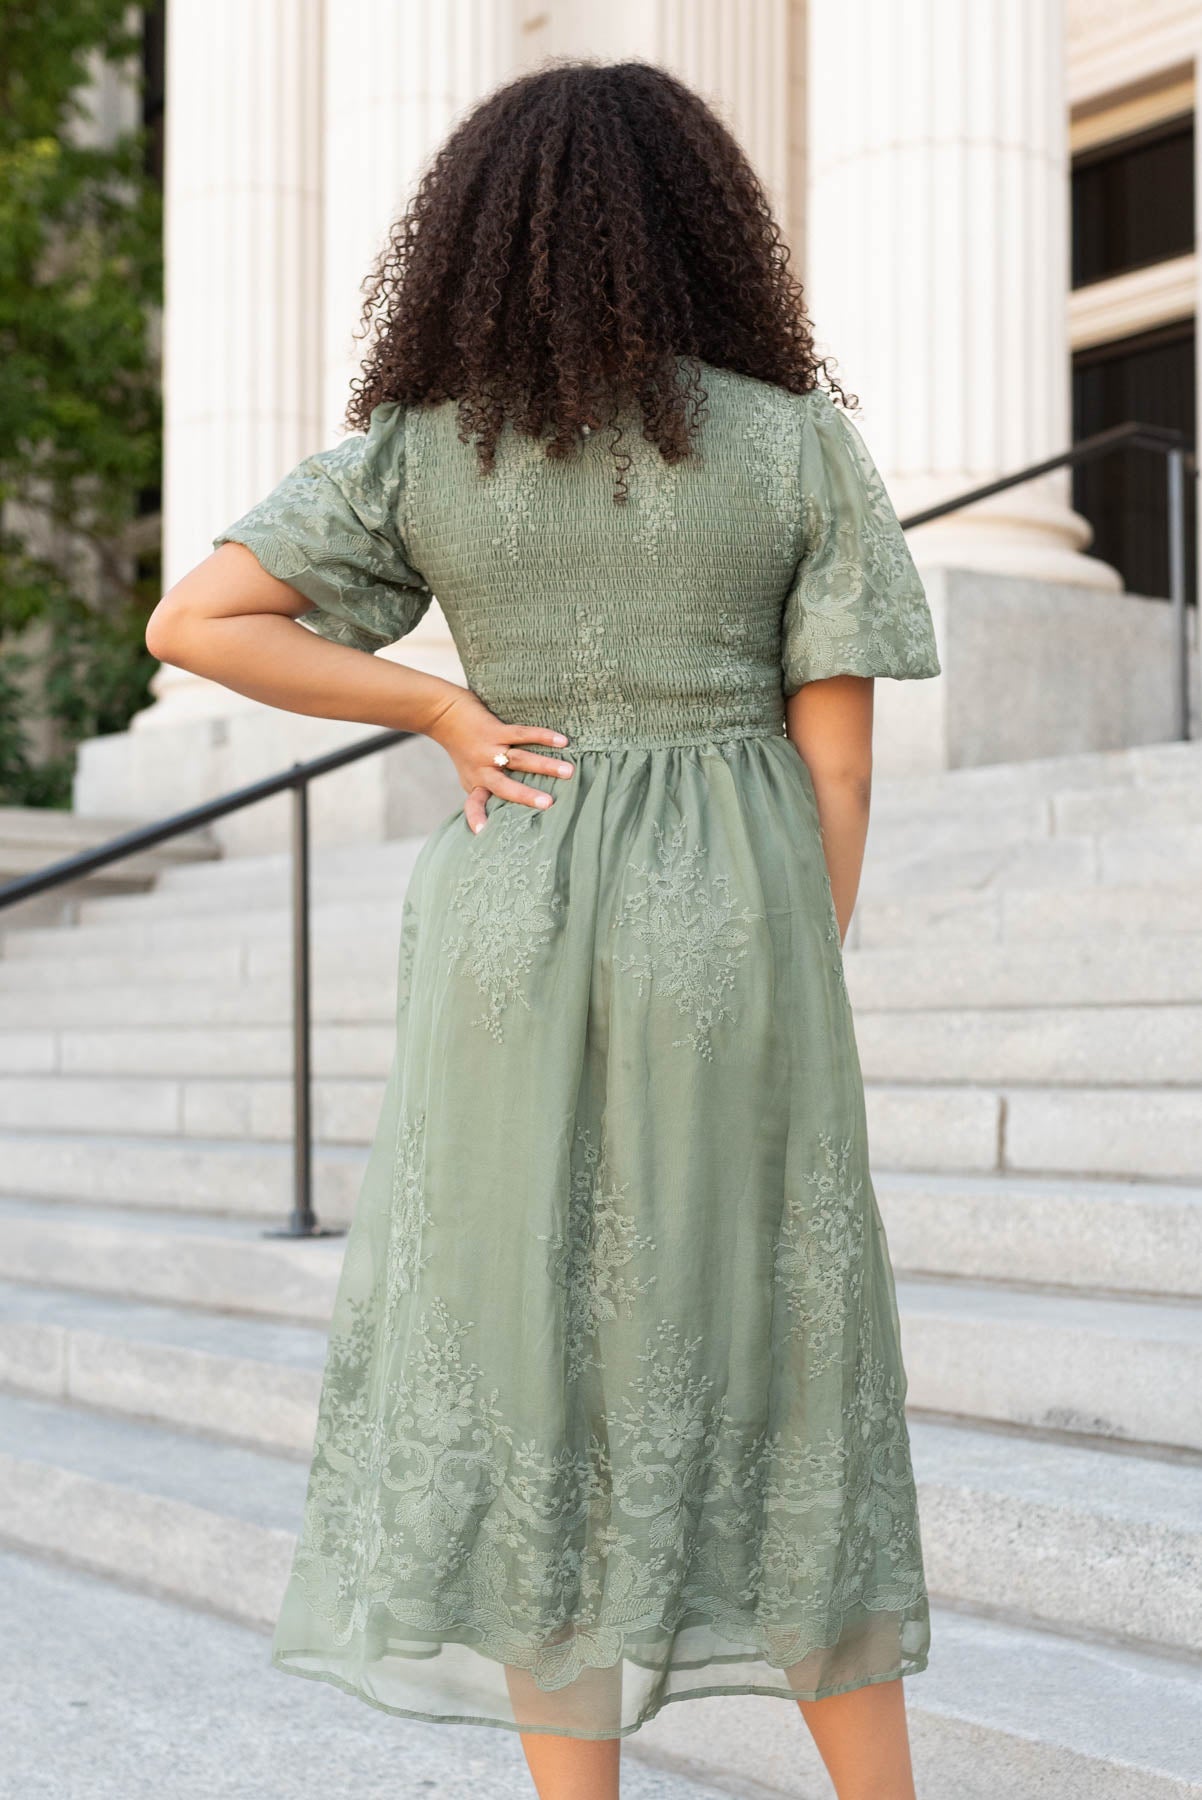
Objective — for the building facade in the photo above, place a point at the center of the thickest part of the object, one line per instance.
(993, 207)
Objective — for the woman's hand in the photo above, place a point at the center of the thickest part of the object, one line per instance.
(472, 735)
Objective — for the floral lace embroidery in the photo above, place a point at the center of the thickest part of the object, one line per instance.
(836, 943)
(733, 657)
(690, 932)
(590, 1255)
(409, 500)
(424, 1501)
(820, 1256)
(858, 605)
(409, 1217)
(657, 484)
(671, 1425)
(772, 432)
(508, 908)
(601, 704)
(331, 528)
(406, 951)
(512, 485)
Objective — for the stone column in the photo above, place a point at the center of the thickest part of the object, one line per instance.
(938, 266)
(398, 75)
(242, 324)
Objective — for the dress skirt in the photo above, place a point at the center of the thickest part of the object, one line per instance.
(612, 1414)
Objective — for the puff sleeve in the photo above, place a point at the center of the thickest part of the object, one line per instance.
(332, 529)
(856, 605)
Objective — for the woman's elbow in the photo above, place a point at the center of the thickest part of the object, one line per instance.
(169, 628)
(159, 634)
(850, 775)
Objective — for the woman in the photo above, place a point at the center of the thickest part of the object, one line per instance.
(612, 1412)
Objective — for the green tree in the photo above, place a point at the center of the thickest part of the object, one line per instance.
(80, 425)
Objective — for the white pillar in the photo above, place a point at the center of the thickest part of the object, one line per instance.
(242, 323)
(398, 75)
(938, 266)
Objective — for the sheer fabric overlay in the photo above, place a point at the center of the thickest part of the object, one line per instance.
(613, 1411)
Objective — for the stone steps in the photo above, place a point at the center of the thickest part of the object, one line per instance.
(336, 998)
(1014, 1714)
(1087, 972)
(1072, 1538)
(963, 915)
(204, 1522)
(1102, 1131)
(975, 915)
(33, 837)
(189, 1259)
(1103, 1367)
(377, 872)
(50, 1126)
(345, 1110)
(1012, 849)
(158, 1720)
(1107, 1368)
(196, 1051)
(906, 860)
(1127, 1046)
(340, 920)
(1137, 1239)
(250, 1179)
(1067, 1538)
(1026, 969)
(251, 984)
(1097, 813)
(1141, 768)
(1002, 1711)
(250, 1380)
(1163, 853)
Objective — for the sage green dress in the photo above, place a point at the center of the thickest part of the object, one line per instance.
(613, 1407)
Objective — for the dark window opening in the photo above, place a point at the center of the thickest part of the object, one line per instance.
(1133, 202)
(1144, 380)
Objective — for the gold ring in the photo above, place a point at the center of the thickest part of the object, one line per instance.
(502, 759)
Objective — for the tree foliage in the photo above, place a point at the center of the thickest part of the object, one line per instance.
(80, 426)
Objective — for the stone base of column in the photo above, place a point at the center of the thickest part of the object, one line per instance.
(1032, 668)
(1029, 532)
(145, 775)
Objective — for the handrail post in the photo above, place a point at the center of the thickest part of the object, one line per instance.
(1175, 469)
(303, 1220)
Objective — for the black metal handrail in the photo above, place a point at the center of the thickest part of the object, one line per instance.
(302, 1221)
(1178, 450)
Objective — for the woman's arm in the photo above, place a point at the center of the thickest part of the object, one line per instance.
(830, 724)
(232, 622)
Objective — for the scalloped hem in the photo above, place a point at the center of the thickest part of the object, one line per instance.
(910, 1666)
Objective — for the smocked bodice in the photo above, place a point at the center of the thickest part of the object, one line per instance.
(770, 557)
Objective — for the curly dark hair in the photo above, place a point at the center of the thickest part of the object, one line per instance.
(585, 238)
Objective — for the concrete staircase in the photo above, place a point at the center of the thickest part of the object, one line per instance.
(1026, 968)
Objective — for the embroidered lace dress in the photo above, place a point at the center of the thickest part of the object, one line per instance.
(613, 1407)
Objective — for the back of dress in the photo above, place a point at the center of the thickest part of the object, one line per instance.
(770, 558)
(614, 1407)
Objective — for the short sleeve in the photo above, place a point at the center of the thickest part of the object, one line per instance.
(332, 529)
(856, 605)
